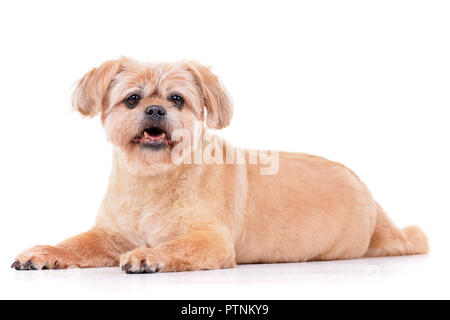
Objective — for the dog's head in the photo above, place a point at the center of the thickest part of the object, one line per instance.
(142, 105)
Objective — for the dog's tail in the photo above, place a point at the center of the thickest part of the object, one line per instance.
(388, 240)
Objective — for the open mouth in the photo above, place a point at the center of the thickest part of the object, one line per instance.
(153, 137)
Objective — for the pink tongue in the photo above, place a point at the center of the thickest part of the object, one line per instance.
(148, 137)
(159, 136)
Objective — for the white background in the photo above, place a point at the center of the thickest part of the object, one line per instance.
(365, 83)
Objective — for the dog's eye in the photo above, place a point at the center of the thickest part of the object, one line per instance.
(177, 100)
(132, 101)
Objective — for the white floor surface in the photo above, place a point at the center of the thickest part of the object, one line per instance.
(379, 278)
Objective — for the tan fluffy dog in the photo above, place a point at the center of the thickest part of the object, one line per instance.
(158, 215)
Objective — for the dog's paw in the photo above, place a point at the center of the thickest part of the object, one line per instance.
(40, 258)
(142, 260)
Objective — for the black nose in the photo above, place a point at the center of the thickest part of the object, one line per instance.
(155, 112)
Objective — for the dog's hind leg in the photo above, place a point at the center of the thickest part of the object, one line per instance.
(388, 240)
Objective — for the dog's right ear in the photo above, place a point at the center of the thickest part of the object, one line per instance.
(91, 89)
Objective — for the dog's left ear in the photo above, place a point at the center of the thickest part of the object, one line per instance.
(218, 104)
(91, 89)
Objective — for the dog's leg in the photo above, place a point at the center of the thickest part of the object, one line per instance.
(199, 250)
(95, 248)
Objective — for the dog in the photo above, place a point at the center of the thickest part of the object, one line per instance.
(164, 213)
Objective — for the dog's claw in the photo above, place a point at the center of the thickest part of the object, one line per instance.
(145, 268)
(151, 269)
(29, 266)
(126, 267)
(16, 265)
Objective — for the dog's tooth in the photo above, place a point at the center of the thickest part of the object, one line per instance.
(146, 135)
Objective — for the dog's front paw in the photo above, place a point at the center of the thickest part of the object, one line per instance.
(142, 260)
(40, 258)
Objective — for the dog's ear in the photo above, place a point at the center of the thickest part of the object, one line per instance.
(90, 91)
(217, 101)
